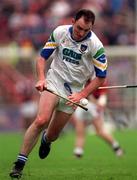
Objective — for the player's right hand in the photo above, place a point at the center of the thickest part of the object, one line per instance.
(40, 85)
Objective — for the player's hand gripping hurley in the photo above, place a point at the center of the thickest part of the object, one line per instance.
(77, 104)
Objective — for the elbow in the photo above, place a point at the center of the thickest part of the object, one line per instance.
(101, 80)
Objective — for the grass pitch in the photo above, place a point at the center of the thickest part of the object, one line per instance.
(98, 162)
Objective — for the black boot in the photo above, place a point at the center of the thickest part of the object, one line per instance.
(44, 148)
(16, 171)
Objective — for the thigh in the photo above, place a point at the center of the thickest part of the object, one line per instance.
(47, 104)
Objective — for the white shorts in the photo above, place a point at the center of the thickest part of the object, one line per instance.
(89, 115)
(56, 84)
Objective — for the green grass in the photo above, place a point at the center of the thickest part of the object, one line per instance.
(98, 163)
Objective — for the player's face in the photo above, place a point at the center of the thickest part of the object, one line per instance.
(80, 29)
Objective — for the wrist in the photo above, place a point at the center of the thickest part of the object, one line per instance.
(41, 78)
(84, 94)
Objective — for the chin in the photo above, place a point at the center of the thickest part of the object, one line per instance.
(78, 39)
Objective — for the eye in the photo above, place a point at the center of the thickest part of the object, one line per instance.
(79, 28)
(86, 30)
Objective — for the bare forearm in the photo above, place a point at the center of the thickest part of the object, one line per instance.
(93, 85)
(40, 68)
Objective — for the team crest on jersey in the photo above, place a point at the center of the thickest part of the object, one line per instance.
(83, 48)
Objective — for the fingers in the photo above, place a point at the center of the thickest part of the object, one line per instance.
(75, 97)
(40, 85)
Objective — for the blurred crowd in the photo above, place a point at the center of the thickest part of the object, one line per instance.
(15, 86)
(29, 22)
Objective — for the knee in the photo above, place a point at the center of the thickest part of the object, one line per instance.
(99, 132)
(41, 122)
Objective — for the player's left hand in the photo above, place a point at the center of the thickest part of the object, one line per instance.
(75, 97)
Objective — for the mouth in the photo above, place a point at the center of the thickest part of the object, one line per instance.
(77, 36)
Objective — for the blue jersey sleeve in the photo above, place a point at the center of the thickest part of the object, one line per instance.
(49, 48)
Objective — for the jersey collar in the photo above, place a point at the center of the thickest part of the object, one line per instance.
(85, 38)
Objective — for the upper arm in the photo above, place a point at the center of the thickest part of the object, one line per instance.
(51, 44)
(98, 56)
(100, 63)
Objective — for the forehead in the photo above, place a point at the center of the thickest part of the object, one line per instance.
(83, 24)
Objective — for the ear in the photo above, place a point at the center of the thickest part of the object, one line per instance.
(73, 20)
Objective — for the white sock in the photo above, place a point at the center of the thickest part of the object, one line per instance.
(78, 151)
(115, 144)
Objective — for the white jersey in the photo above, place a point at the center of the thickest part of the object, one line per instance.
(75, 62)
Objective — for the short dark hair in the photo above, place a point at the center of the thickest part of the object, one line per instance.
(87, 14)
